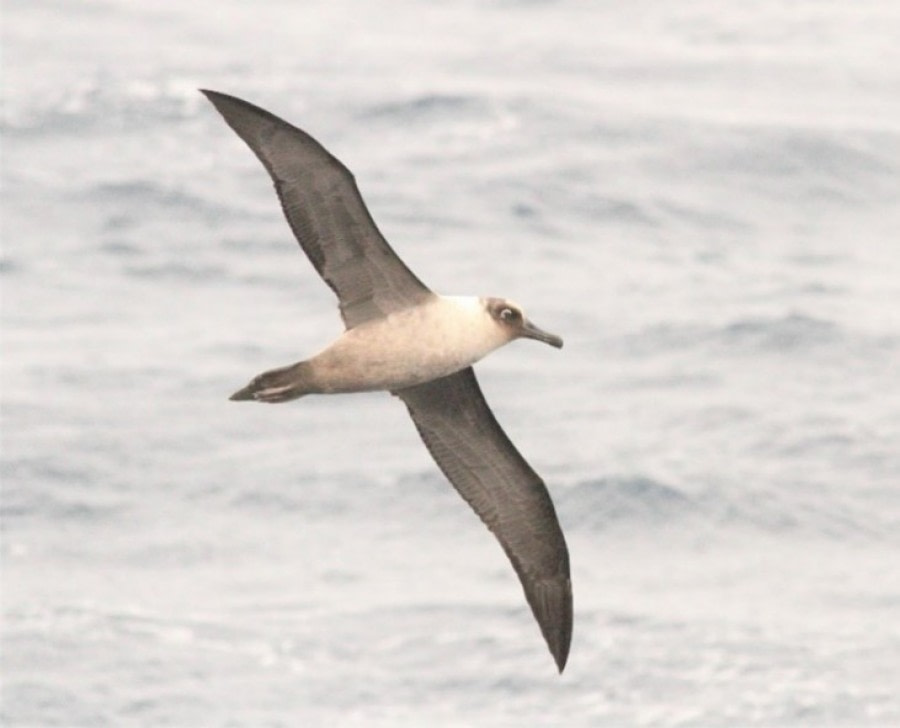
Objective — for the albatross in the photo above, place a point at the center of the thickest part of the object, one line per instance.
(403, 338)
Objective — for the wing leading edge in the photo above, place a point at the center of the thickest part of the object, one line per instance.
(327, 214)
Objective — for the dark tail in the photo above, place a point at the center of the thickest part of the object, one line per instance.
(277, 385)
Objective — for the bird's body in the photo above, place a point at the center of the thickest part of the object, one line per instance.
(403, 338)
(437, 337)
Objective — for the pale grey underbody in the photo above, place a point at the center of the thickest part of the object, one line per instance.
(433, 339)
(403, 338)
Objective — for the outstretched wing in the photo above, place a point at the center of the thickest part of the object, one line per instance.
(469, 446)
(325, 210)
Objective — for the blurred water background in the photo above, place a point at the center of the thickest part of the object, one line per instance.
(702, 198)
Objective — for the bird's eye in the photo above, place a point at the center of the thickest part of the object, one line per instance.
(508, 314)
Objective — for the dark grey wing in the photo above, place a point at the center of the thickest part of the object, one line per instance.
(469, 446)
(325, 210)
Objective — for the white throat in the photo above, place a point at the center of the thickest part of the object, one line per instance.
(466, 327)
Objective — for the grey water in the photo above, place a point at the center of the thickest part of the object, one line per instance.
(702, 198)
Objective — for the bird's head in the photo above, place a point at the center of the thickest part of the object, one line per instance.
(512, 320)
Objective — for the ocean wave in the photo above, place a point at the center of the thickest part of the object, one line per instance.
(139, 190)
(624, 503)
(144, 192)
(601, 503)
(177, 270)
(129, 204)
(794, 331)
(428, 106)
(772, 153)
(57, 492)
(600, 208)
(702, 216)
(790, 332)
(102, 104)
(9, 265)
(804, 164)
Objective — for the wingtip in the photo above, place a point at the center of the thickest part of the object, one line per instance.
(561, 658)
(225, 102)
(214, 97)
(552, 608)
(560, 651)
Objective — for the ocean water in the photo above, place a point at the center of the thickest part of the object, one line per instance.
(702, 198)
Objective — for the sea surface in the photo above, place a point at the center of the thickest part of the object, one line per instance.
(702, 198)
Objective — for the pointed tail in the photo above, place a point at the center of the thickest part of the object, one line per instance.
(278, 385)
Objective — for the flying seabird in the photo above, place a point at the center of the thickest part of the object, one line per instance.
(403, 338)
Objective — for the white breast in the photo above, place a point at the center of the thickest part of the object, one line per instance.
(457, 331)
(437, 338)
